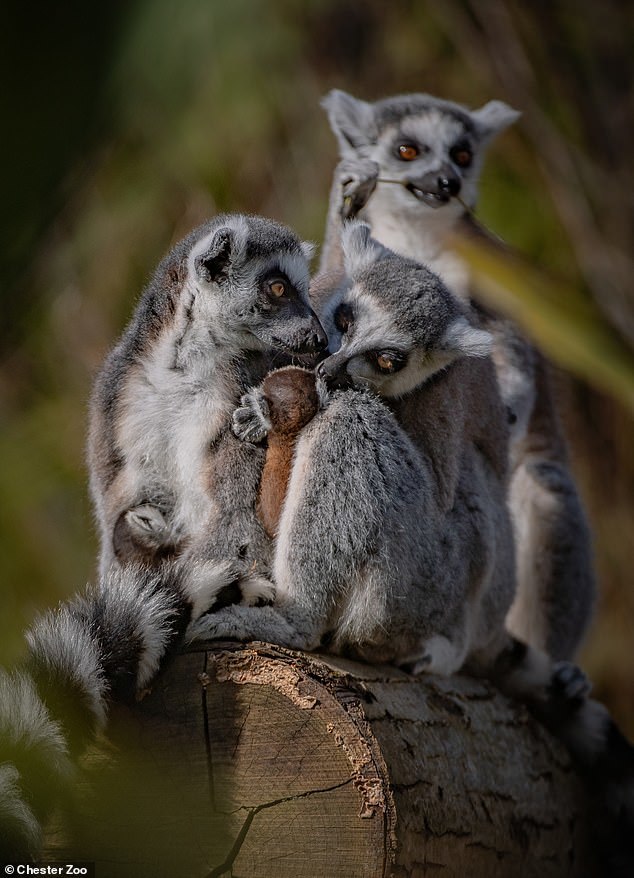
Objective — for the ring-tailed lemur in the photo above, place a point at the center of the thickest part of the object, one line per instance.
(164, 463)
(435, 149)
(396, 551)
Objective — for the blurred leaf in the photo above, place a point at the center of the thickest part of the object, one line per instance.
(568, 327)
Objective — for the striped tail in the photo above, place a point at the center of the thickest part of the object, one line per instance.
(104, 645)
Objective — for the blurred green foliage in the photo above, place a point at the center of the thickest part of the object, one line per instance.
(131, 123)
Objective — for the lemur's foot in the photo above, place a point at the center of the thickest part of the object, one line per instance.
(358, 178)
(251, 420)
(147, 525)
(142, 535)
(248, 623)
(257, 591)
(569, 683)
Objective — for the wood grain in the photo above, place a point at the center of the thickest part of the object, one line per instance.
(253, 761)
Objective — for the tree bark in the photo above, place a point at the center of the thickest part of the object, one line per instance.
(256, 762)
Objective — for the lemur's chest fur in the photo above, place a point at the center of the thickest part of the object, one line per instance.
(169, 418)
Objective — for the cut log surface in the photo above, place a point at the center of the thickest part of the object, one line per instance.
(256, 762)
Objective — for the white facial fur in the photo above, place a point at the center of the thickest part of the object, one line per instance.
(400, 220)
(437, 133)
(221, 316)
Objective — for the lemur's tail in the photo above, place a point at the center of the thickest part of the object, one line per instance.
(104, 645)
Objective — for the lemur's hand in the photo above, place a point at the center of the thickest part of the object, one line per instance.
(358, 178)
(251, 420)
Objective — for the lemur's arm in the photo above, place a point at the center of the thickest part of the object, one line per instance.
(353, 183)
(105, 645)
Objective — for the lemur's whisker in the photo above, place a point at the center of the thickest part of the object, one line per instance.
(464, 204)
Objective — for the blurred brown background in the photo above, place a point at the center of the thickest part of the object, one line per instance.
(126, 124)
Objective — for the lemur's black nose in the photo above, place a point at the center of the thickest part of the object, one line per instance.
(333, 371)
(436, 187)
(450, 185)
(314, 341)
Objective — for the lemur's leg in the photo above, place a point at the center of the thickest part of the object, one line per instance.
(556, 586)
(284, 624)
(104, 645)
(141, 535)
(555, 580)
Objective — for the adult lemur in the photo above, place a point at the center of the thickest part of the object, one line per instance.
(435, 149)
(168, 478)
(164, 463)
(393, 550)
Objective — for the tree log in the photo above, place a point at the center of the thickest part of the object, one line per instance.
(256, 762)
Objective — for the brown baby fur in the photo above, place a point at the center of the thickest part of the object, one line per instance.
(293, 401)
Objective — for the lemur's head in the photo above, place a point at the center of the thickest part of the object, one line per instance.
(249, 282)
(433, 147)
(395, 323)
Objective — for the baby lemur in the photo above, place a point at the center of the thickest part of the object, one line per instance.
(409, 167)
(164, 464)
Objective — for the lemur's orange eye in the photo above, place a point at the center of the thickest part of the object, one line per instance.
(388, 362)
(277, 288)
(407, 152)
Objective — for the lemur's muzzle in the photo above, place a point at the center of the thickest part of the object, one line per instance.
(304, 339)
(314, 342)
(435, 188)
(300, 334)
(334, 371)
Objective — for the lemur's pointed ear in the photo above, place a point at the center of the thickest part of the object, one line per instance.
(360, 250)
(493, 118)
(308, 249)
(216, 253)
(461, 338)
(351, 120)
